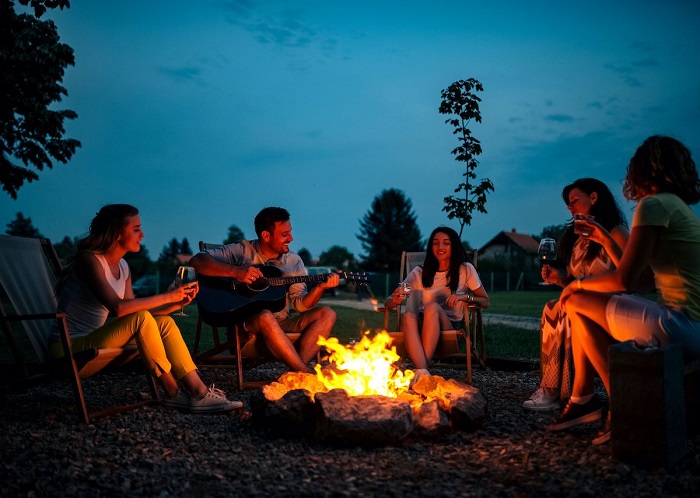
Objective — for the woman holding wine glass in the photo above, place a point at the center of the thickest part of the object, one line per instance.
(663, 180)
(446, 281)
(584, 252)
(97, 283)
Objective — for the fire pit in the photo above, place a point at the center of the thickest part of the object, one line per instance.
(362, 398)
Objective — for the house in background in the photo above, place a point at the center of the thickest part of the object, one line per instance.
(510, 251)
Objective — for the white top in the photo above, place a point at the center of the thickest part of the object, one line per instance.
(440, 291)
(83, 310)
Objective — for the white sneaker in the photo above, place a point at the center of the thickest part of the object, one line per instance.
(541, 400)
(213, 401)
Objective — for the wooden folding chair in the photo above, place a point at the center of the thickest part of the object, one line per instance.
(230, 350)
(448, 345)
(28, 274)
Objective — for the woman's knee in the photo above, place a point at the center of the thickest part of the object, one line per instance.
(408, 318)
(140, 319)
(431, 308)
(166, 325)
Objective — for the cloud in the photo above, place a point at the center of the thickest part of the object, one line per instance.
(559, 118)
(625, 71)
(286, 28)
(647, 62)
(179, 74)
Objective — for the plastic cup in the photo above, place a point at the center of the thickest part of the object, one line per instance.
(580, 224)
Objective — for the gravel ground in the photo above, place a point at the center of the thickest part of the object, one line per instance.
(159, 452)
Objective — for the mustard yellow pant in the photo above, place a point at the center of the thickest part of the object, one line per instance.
(157, 338)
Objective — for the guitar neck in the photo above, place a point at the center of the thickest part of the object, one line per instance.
(350, 277)
(295, 280)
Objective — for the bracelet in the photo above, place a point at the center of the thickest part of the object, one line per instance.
(578, 282)
(470, 299)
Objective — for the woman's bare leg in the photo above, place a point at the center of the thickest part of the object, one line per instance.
(412, 339)
(590, 340)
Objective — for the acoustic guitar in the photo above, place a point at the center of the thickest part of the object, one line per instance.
(223, 300)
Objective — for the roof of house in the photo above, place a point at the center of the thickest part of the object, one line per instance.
(524, 241)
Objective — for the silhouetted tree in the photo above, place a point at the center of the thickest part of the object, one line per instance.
(32, 62)
(22, 227)
(67, 248)
(305, 256)
(234, 235)
(459, 100)
(170, 250)
(185, 247)
(552, 231)
(338, 257)
(387, 229)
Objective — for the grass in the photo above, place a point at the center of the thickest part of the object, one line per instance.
(501, 340)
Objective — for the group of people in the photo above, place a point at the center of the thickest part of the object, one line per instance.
(608, 267)
(605, 265)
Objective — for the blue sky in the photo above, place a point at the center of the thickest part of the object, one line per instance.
(201, 113)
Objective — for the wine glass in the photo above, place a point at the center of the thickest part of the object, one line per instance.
(186, 274)
(547, 252)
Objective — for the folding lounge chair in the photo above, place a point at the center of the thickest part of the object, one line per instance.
(448, 345)
(28, 274)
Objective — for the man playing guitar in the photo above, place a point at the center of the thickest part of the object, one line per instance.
(247, 261)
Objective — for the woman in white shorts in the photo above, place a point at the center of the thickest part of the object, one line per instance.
(665, 237)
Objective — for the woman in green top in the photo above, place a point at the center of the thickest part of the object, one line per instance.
(665, 236)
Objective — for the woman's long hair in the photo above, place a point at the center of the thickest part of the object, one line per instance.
(104, 231)
(606, 210)
(458, 256)
(662, 164)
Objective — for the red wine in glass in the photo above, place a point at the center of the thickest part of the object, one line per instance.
(547, 253)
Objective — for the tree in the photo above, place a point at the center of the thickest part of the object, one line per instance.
(185, 247)
(458, 100)
(234, 235)
(170, 250)
(551, 232)
(387, 229)
(32, 65)
(67, 248)
(22, 227)
(338, 257)
(305, 256)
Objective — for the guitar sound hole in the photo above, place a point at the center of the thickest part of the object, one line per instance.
(259, 285)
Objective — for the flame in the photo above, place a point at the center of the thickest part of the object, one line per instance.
(375, 304)
(364, 369)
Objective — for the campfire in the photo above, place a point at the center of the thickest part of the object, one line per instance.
(361, 397)
(363, 369)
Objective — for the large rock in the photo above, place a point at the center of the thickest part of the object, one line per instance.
(361, 420)
(464, 403)
(429, 420)
(291, 415)
(429, 410)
